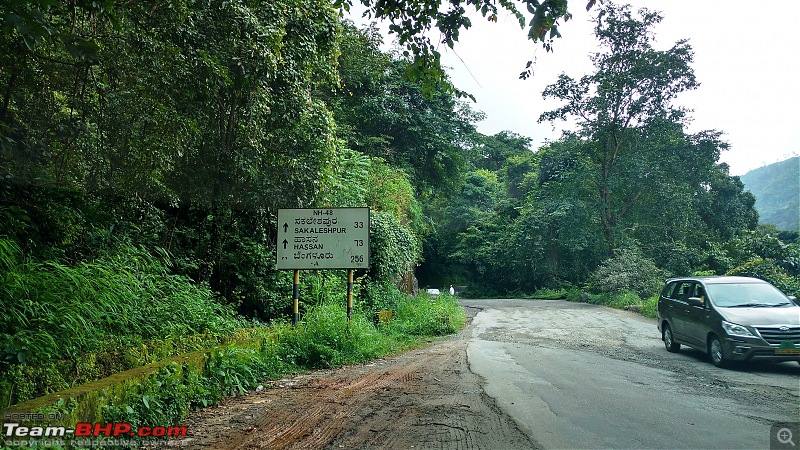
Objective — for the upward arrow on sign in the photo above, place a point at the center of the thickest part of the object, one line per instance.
(285, 242)
(285, 227)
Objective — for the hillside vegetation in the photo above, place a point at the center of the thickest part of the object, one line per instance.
(776, 188)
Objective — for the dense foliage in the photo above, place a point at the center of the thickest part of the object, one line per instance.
(382, 114)
(53, 311)
(175, 119)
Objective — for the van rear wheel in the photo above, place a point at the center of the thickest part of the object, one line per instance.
(669, 340)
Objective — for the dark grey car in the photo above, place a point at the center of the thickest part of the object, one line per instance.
(730, 318)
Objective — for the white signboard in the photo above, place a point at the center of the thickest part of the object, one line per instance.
(332, 238)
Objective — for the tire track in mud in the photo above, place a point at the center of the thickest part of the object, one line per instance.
(425, 398)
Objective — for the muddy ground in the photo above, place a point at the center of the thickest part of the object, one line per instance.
(425, 398)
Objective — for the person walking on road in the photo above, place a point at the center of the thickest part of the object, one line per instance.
(452, 290)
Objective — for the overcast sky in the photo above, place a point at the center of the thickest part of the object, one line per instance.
(746, 60)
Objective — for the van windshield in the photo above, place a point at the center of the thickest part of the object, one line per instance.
(745, 294)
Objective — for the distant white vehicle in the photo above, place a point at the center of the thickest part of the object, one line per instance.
(433, 292)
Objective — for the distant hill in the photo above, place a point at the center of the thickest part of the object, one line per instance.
(777, 191)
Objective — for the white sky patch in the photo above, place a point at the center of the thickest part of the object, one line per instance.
(746, 60)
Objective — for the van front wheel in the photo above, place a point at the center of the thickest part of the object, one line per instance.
(716, 353)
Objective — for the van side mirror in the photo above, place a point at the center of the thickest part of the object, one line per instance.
(794, 300)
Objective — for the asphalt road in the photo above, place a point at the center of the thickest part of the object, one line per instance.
(574, 375)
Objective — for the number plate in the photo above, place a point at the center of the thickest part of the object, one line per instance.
(787, 348)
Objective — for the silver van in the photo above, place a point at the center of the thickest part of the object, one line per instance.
(729, 318)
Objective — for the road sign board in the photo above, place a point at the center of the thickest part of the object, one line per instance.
(325, 238)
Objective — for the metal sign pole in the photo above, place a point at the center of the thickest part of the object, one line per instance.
(296, 298)
(350, 295)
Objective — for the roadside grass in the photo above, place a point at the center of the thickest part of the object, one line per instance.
(622, 300)
(52, 311)
(326, 339)
(323, 339)
(65, 325)
(427, 317)
(650, 307)
(570, 293)
(627, 300)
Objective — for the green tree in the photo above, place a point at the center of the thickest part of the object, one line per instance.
(639, 161)
(492, 152)
(557, 236)
(633, 83)
(475, 231)
(361, 88)
(382, 114)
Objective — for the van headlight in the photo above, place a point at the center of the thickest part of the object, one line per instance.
(736, 330)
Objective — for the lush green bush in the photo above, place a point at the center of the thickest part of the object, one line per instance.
(571, 293)
(628, 270)
(381, 295)
(394, 248)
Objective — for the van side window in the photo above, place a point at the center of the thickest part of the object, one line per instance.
(700, 293)
(668, 290)
(684, 291)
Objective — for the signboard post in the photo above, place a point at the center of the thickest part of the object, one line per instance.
(323, 238)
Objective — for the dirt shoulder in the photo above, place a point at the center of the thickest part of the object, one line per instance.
(424, 398)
